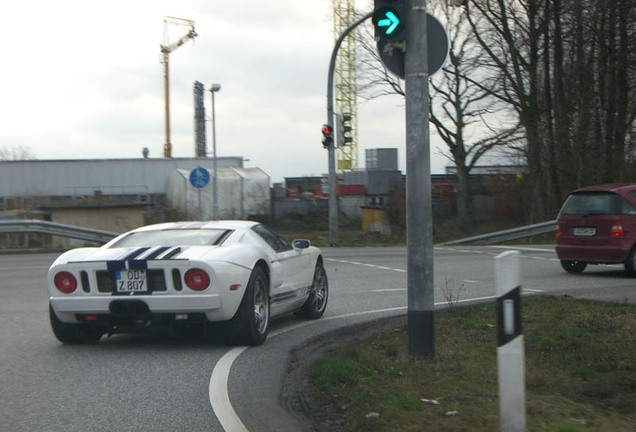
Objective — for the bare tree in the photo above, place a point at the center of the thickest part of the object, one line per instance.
(462, 112)
(15, 153)
(374, 80)
(567, 69)
(509, 32)
(459, 110)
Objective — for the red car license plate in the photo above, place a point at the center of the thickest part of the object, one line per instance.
(584, 232)
(131, 281)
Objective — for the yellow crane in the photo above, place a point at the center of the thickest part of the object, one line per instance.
(166, 48)
(346, 84)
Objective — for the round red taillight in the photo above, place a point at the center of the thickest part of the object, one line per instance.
(197, 279)
(65, 282)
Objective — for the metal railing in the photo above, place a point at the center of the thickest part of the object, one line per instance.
(56, 229)
(100, 236)
(507, 235)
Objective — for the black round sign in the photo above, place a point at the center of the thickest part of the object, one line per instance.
(392, 52)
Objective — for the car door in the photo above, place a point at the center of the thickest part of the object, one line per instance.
(288, 270)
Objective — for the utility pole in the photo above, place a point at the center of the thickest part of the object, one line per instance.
(333, 192)
(419, 223)
(215, 188)
(407, 39)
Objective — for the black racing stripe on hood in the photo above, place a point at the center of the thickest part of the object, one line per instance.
(135, 253)
(172, 253)
(157, 252)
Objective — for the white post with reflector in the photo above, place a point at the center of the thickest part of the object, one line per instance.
(510, 346)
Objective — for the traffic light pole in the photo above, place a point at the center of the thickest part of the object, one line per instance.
(419, 226)
(333, 195)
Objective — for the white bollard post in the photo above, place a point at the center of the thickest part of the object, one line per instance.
(510, 346)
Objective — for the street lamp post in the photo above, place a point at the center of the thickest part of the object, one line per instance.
(215, 191)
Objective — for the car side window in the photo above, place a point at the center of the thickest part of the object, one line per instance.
(590, 204)
(271, 238)
(627, 208)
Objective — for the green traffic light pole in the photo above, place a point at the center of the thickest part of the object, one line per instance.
(333, 197)
(419, 225)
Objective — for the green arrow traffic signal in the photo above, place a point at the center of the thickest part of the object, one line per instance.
(390, 22)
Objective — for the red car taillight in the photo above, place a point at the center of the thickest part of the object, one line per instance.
(617, 231)
(558, 231)
(197, 279)
(65, 282)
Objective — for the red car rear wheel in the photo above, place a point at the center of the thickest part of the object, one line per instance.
(573, 266)
(630, 263)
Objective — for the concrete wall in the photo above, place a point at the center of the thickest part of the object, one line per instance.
(298, 207)
(115, 219)
(351, 205)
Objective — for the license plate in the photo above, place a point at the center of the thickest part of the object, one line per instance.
(584, 232)
(131, 281)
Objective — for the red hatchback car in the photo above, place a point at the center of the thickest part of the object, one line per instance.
(597, 225)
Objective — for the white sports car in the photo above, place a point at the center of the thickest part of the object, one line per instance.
(186, 275)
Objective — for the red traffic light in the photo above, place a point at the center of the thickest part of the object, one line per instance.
(327, 135)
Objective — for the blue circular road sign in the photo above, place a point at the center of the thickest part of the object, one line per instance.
(199, 177)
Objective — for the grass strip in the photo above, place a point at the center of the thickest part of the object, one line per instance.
(580, 373)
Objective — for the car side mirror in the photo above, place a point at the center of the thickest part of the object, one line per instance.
(301, 244)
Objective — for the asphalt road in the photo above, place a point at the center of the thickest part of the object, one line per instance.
(153, 382)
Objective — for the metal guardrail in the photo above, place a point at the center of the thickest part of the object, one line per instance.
(99, 236)
(507, 235)
(57, 229)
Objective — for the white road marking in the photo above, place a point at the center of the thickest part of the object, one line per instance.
(389, 290)
(367, 265)
(219, 397)
(527, 249)
(218, 387)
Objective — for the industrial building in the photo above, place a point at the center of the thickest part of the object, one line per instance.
(118, 194)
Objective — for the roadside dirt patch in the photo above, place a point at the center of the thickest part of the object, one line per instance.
(294, 395)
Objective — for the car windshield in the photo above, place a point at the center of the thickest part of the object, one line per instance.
(172, 237)
(597, 203)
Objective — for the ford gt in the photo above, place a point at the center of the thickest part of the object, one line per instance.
(186, 275)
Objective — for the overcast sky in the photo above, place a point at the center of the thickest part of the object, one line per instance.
(83, 79)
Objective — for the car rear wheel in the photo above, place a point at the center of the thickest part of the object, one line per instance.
(250, 324)
(630, 264)
(573, 266)
(73, 334)
(316, 304)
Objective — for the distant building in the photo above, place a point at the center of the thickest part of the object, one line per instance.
(242, 194)
(356, 189)
(491, 170)
(51, 179)
(121, 194)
